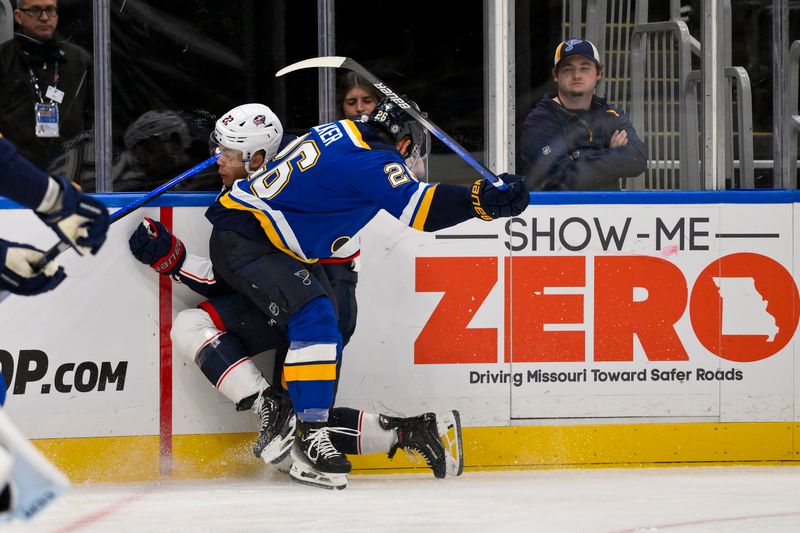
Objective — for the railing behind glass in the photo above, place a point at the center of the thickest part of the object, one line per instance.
(660, 106)
(793, 115)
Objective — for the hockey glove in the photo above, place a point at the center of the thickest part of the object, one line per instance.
(18, 273)
(78, 219)
(488, 202)
(154, 245)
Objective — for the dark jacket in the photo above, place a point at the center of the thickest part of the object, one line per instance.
(17, 96)
(568, 150)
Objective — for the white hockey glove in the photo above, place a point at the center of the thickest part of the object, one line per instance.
(78, 219)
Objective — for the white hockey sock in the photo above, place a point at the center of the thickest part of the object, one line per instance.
(241, 380)
(374, 439)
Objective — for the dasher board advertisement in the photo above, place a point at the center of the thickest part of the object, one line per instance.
(576, 312)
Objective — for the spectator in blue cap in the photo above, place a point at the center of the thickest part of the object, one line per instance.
(574, 140)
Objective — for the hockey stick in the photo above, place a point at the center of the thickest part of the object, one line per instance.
(54, 252)
(346, 62)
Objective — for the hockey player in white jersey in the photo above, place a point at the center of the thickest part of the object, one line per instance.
(28, 482)
(226, 329)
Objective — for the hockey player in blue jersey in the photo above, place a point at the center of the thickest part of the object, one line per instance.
(308, 202)
(28, 482)
(225, 330)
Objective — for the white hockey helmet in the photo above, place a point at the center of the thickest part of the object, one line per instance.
(249, 128)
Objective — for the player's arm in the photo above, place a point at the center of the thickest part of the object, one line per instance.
(153, 244)
(453, 204)
(385, 180)
(20, 180)
(78, 219)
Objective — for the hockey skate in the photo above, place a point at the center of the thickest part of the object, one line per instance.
(316, 461)
(436, 438)
(449, 427)
(276, 435)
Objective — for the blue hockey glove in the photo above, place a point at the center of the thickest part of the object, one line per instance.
(78, 219)
(154, 245)
(18, 273)
(488, 202)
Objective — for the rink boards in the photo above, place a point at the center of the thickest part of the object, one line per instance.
(594, 329)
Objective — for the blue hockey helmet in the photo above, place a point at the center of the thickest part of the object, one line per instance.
(393, 119)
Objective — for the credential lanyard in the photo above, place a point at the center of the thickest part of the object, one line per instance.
(35, 81)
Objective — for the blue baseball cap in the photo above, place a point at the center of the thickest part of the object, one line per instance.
(576, 46)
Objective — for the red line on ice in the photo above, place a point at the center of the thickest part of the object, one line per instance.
(705, 521)
(91, 518)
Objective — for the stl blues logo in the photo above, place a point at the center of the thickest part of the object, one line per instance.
(570, 44)
(304, 275)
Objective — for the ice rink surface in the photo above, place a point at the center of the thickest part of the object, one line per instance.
(696, 499)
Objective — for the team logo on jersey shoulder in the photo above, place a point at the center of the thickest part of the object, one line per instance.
(304, 275)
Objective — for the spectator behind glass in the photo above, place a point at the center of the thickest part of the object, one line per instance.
(41, 75)
(574, 140)
(357, 97)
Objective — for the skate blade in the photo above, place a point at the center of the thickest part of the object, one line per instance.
(449, 427)
(308, 476)
(279, 447)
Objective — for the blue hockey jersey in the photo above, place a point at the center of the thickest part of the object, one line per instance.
(321, 189)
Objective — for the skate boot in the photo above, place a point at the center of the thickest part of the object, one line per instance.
(276, 434)
(316, 461)
(437, 438)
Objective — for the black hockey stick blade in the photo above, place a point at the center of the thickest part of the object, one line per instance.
(349, 64)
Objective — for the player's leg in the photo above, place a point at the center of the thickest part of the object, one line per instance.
(202, 335)
(434, 436)
(343, 280)
(437, 438)
(296, 296)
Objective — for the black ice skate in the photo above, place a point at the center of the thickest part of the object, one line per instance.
(315, 448)
(276, 435)
(437, 438)
(316, 461)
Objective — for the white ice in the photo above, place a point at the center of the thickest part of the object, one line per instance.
(695, 499)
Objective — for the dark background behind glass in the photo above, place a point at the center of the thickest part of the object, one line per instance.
(431, 52)
(202, 57)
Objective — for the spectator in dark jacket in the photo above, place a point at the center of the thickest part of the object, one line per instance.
(38, 68)
(574, 140)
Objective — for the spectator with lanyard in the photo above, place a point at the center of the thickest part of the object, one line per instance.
(46, 95)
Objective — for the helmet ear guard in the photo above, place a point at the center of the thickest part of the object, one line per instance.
(248, 128)
(391, 118)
